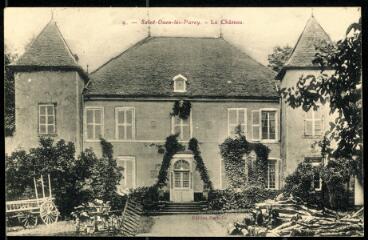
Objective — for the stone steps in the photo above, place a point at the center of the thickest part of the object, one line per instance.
(180, 208)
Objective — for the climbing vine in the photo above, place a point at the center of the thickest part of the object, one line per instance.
(193, 146)
(181, 109)
(233, 151)
(172, 146)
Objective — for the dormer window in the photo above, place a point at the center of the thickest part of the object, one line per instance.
(180, 83)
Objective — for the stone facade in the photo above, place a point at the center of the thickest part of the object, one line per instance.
(61, 88)
(153, 124)
(296, 145)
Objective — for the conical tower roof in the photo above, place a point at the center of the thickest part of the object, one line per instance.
(305, 49)
(48, 50)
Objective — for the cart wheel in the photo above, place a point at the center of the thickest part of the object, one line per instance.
(28, 219)
(48, 212)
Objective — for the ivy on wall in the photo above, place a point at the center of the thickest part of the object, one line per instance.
(193, 146)
(233, 151)
(172, 146)
(181, 109)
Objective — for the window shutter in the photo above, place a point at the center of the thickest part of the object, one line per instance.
(308, 127)
(129, 172)
(308, 123)
(255, 125)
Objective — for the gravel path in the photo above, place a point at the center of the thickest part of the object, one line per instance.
(187, 225)
(60, 228)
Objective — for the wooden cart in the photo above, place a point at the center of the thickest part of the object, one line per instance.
(28, 211)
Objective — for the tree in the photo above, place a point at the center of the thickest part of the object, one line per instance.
(279, 56)
(342, 90)
(9, 94)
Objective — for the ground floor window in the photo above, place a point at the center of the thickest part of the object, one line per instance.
(316, 163)
(127, 167)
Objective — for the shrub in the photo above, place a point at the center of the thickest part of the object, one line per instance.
(229, 199)
(300, 183)
(105, 174)
(73, 180)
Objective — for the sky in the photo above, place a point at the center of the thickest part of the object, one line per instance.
(99, 34)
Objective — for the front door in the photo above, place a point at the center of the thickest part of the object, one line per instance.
(181, 182)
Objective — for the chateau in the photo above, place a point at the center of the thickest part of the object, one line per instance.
(128, 101)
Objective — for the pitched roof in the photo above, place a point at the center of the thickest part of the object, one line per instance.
(213, 67)
(305, 48)
(48, 49)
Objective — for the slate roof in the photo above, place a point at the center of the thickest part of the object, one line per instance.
(213, 67)
(48, 50)
(305, 48)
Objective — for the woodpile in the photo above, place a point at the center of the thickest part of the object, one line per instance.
(290, 217)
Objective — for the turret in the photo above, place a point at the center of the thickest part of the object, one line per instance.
(48, 91)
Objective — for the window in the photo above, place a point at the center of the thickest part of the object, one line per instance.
(127, 166)
(268, 122)
(94, 122)
(237, 117)
(180, 83)
(46, 119)
(316, 163)
(125, 123)
(313, 123)
(182, 127)
(181, 174)
(271, 174)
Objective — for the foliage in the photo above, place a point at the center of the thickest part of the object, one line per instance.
(233, 151)
(172, 146)
(57, 160)
(279, 56)
(301, 182)
(193, 146)
(336, 175)
(181, 109)
(98, 214)
(145, 194)
(342, 89)
(73, 180)
(106, 174)
(9, 95)
(229, 199)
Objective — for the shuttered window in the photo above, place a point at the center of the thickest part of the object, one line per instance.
(127, 166)
(94, 123)
(46, 119)
(237, 117)
(125, 123)
(313, 123)
(268, 125)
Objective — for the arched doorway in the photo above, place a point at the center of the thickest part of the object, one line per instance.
(181, 179)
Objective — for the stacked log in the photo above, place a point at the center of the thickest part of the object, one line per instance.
(300, 220)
